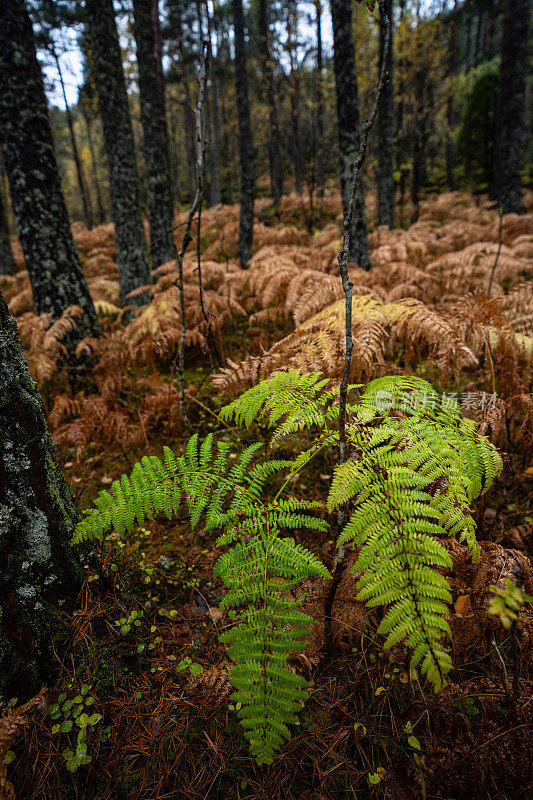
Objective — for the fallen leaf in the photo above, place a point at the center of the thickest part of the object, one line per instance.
(463, 605)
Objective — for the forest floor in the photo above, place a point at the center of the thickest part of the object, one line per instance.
(141, 650)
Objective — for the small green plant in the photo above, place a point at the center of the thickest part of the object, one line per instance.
(74, 715)
(507, 602)
(414, 465)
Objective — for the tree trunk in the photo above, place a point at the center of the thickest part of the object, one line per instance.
(422, 104)
(158, 52)
(511, 119)
(38, 571)
(7, 262)
(160, 209)
(294, 90)
(246, 155)
(385, 173)
(214, 139)
(468, 44)
(189, 141)
(84, 194)
(52, 261)
(94, 165)
(319, 135)
(228, 154)
(348, 124)
(132, 256)
(276, 172)
(401, 140)
(450, 178)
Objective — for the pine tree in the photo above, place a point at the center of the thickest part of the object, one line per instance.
(7, 262)
(246, 223)
(29, 158)
(319, 105)
(38, 571)
(132, 256)
(155, 137)
(511, 118)
(276, 170)
(348, 124)
(385, 122)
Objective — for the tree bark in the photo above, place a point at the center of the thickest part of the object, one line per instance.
(132, 256)
(450, 178)
(214, 144)
(348, 124)
(94, 165)
(52, 261)
(276, 171)
(160, 209)
(319, 131)
(511, 119)
(294, 90)
(7, 262)
(38, 570)
(246, 155)
(385, 124)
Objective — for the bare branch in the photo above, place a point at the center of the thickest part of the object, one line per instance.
(347, 286)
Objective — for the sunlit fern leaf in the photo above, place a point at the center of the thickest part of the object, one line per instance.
(259, 574)
(414, 468)
(297, 398)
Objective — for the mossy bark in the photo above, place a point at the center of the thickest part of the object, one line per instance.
(246, 155)
(132, 254)
(348, 125)
(160, 209)
(38, 571)
(30, 163)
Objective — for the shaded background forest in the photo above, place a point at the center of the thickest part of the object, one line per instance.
(445, 89)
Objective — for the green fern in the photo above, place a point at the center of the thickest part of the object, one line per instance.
(412, 471)
(412, 474)
(260, 574)
(259, 569)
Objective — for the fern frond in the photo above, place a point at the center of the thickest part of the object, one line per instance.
(259, 574)
(415, 467)
(293, 395)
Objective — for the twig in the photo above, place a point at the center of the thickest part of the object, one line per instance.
(498, 251)
(347, 286)
(504, 669)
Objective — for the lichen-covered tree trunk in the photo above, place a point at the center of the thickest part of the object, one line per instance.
(30, 163)
(294, 90)
(450, 178)
(214, 143)
(276, 170)
(38, 571)
(319, 143)
(511, 118)
(246, 156)
(160, 209)
(94, 165)
(132, 255)
(385, 124)
(7, 262)
(348, 124)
